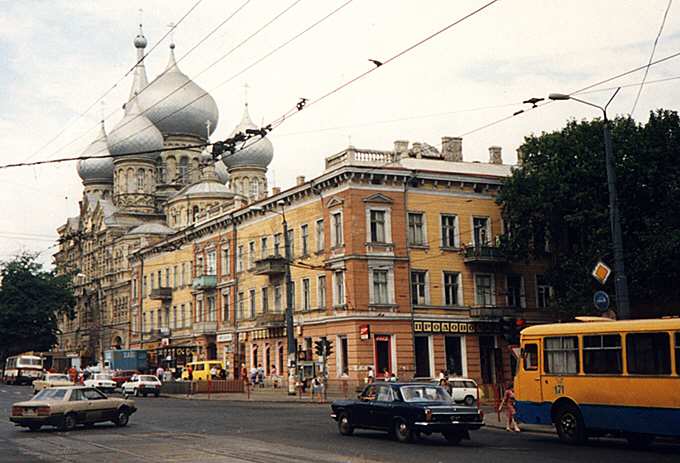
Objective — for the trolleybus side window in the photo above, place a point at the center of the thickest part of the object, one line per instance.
(602, 354)
(530, 355)
(648, 353)
(561, 355)
(677, 353)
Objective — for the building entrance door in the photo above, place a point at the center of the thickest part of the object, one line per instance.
(454, 355)
(382, 354)
(423, 357)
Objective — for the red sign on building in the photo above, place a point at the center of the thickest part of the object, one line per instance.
(364, 332)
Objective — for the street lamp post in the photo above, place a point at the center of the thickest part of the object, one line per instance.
(620, 280)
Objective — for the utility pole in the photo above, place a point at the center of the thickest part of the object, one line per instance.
(290, 336)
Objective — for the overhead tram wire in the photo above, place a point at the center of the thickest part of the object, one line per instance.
(575, 92)
(106, 93)
(142, 91)
(209, 67)
(309, 103)
(651, 56)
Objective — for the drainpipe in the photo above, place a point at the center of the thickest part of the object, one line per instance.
(411, 177)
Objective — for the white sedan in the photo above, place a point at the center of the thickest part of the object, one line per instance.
(142, 385)
(101, 381)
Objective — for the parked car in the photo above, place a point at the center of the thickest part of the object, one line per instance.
(102, 381)
(463, 390)
(142, 385)
(407, 410)
(123, 376)
(51, 380)
(66, 407)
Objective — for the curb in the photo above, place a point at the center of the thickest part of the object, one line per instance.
(274, 401)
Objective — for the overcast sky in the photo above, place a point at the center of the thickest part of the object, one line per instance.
(58, 57)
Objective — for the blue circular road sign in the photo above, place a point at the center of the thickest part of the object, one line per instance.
(601, 300)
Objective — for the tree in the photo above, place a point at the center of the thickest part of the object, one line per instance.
(31, 302)
(555, 207)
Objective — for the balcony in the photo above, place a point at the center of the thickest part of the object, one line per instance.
(483, 254)
(271, 266)
(493, 312)
(205, 328)
(204, 282)
(270, 320)
(161, 294)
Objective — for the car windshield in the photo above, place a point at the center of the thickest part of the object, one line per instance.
(102, 376)
(57, 378)
(50, 394)
(148, 378)
(418, 393)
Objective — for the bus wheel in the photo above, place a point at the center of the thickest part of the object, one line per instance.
(640, 441)
(569, 424)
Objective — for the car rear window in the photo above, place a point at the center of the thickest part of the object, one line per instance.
(50, 394)
(57, 378)
(470, 384)
(148, 378)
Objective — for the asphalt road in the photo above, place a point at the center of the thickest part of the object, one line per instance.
(174, 430)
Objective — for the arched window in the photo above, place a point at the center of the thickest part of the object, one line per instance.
(196, 210)
(130, 181)
(254, 189)
(140, 179)
(183, 169)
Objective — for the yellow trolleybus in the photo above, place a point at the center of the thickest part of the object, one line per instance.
(602, 378)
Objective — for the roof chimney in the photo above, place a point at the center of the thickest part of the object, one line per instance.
(299, 180)
(417, 150)
(276, 190)
(401, 149)
(520, 156)
(495, 155)
(452, 149)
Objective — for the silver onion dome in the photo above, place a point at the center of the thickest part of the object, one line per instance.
(100, 169)
(177, 105)
(258, 152)
(135, 133)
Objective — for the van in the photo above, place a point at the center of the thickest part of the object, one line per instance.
(201, 369)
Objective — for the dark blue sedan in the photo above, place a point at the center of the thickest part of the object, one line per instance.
(407, 410)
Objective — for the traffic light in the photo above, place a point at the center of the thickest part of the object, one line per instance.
(319, 347)
(509, 329)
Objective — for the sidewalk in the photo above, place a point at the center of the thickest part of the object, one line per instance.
(281, 396)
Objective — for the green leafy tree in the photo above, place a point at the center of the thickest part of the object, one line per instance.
(556, 208)
(31, 302)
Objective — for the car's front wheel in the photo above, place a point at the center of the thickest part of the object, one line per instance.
(68, 422)
(122, 419)
(402, 431)
(344, 425)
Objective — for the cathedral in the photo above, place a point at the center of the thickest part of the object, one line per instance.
(135, 200)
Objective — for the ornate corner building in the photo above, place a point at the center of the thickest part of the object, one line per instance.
(394, 254)
(131, 201)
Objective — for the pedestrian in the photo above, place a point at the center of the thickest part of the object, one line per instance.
(243, 373)
(393, 378)
(73, 374)
(260, 375)
(253, 376)
(386, 375)
(159, 372)
(317, 388)
(190, 377)
(223, 374)
(370, 375)
(213, 372)
(275, 377)
(509, 403)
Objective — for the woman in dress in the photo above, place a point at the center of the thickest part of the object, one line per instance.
(509, 403)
